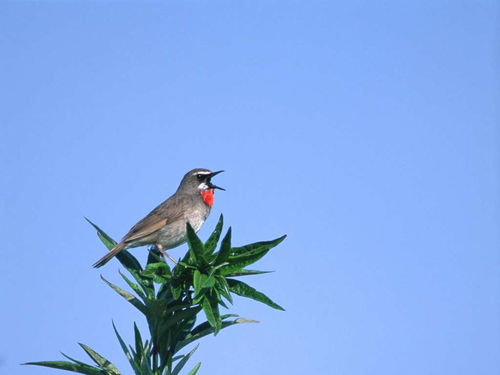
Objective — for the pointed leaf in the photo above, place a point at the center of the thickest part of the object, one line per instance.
(243, 256)
(195, 244)
(129, 297)
(139, 349)
(146, 366)
(214, 303)
(236, 264)
(158, 268)
(207, 282)
(100, 360)
(135, 367)
(125, 258)
(257, 246)
(246, 255)
(195, 369)
(145, 283)
(223, 288)
(69, 366)
(183, 315)
(160, 272)
(183, 361)
(225, 248)
(106, 240)
(176, 291)
(75, 360)
(211, 243)
(146, 361)
(128, 261)
(247, 273)
(134, 287)
(245, 290)
(244, 320)
(211, 316)
(154, 256)
(221, 302)
(203, 330)
(197, 282)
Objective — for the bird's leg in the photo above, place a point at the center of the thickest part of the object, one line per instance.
(165, 254)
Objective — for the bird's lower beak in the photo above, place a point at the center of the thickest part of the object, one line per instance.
(209, 182)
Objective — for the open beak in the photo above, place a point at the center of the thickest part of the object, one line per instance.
(209, 182)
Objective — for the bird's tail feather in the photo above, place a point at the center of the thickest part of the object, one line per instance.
(106, 258)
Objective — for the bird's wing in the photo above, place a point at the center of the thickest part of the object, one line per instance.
(145, 227)
(155, 220)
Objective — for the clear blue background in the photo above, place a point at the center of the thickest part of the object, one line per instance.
(366, 131)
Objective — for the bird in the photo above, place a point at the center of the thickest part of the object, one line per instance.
(165, 226)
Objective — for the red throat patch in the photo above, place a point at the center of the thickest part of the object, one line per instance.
(208, 197)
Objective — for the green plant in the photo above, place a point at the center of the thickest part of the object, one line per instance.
(172, 299)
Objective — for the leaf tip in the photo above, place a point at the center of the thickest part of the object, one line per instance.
(244, 320)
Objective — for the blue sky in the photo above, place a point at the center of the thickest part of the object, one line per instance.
(367, 132)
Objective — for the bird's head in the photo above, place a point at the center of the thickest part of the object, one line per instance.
(199, 181)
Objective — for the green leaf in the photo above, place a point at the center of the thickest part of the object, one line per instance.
(208, 281)
(221, 302)
(223, 288)
(106, 240)
(125, 258)
(176, 291)
(146, 366)
(257, 246)
(185, 328)
(214, 302)
(205, 329)
(183, 361)
(195, 369)
(240, 288)
(145, 283)
(154, 256)
(134, 287)
(69, 366)
(238, 263)
(139, 349)
(129, 297)
(75, 360)
(179, 316)
(158, 268)
(195, 244)
(100, 360)
(160, 272)
(225, 248)
(134, 365)
(211, 314)
(197, 282)
(247, 273)
(211, 243)
(246, 255)
(128, 261)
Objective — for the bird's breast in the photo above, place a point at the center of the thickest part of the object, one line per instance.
(174, 234)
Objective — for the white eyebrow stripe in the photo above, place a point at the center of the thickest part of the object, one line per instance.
(201, 172)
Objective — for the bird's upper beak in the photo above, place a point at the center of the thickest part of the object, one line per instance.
(209, 182)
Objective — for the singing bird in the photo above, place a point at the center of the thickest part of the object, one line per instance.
(165, 226)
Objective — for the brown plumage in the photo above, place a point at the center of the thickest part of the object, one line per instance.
(165, 226)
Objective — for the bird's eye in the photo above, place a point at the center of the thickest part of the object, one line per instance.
(200, 176)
